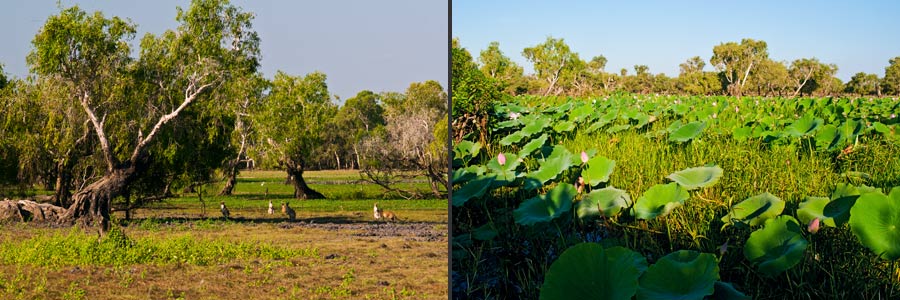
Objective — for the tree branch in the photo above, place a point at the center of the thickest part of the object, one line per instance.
(111, 161)
(802, 84)
(189, 97)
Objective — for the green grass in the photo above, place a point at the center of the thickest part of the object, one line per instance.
(77, 248)
(836, 265)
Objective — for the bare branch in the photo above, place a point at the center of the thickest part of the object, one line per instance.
(189, 97)
(111, 161)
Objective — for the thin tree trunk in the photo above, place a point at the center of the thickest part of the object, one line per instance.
(802, 84)
(62, 194)
(336, 159)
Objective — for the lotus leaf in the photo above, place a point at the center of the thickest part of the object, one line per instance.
(598, 170)
(777, 246)
(875, 220)
(697, 177)
(544, 208)
(687, 132)
(659, 200)
(683, 274)
(754, 210)
(588, 271)
(473, 189)
(606, 202)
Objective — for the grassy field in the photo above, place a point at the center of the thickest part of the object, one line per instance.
(176, 249)
(494, 256)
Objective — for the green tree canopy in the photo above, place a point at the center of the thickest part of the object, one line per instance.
(890, 84)
(737, 61)
(293, 123)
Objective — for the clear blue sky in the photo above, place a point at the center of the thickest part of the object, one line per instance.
(858, 36)
(360, 44)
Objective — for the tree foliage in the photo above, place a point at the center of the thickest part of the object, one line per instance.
(293, 124)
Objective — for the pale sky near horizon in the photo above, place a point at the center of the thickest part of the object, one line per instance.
(359, 44)
(857, 36)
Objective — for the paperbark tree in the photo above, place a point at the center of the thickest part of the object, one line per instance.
(809, 74)
(554, 63)
(737, 61)
(293, 125)
(91, 53)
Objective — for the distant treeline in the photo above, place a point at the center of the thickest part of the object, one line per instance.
(743, 68)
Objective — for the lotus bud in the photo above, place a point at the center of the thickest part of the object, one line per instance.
(714, 104)
(723, 248)
(813, 226)
(893, 116)
(584, 157)
(736, 109)
(501, 159)
(579, 185)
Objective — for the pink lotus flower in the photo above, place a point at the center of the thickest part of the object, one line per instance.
(813, 226)
(736, 109)
(501, 159)
(584, 157)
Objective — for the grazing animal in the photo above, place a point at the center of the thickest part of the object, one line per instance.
(289, 211)
(224, 210)
(271, 208)
(386, 215)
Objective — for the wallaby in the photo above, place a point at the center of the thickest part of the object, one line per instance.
(224, 210)
(387, 215)
(289, 211)
(271, 208)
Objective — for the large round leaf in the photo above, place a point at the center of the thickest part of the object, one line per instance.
(875, 220)
(828, 138)
(463, 175)
(754, 210)
(598, 170)
(465, 150)
(506, 173)
(659, 200)
(606, 202)
(842, 199)
(472, 189)
(546, 207)
(587, 271)
(532, 145)
(683, 274)
(512, 138)
(812, 208)
(537, 126)
(564, 126)
(687, 132)
(806, 125)
(698, 177)
(776, 247)
(558, 161)
(726, 291)
(580, 113)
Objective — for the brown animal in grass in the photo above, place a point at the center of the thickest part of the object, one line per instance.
(289, 211)
(224, 209)
(384, 214)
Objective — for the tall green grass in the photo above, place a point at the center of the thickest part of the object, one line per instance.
(77, 248)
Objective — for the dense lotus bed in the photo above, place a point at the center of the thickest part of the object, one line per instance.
(659, 197)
